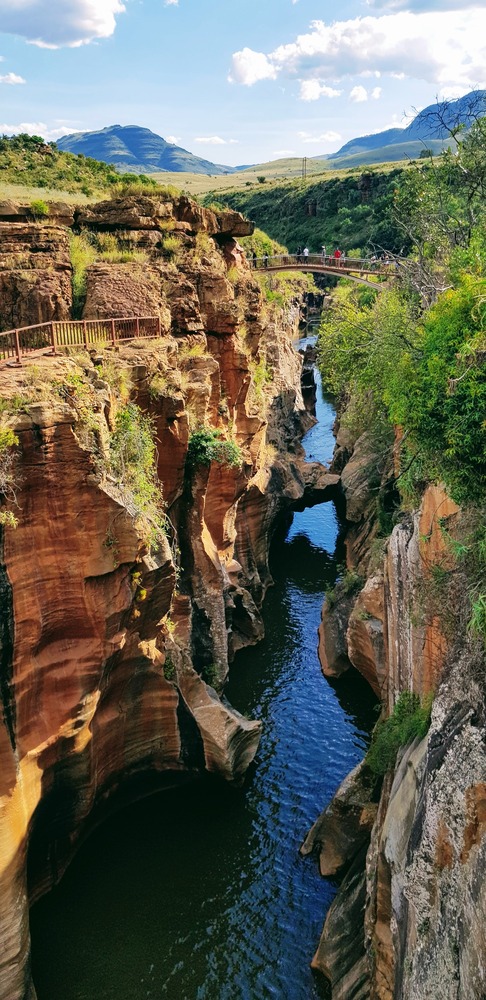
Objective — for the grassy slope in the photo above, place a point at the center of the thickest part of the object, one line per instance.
(30, 169)
(351, 210)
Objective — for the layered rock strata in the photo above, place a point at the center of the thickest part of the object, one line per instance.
(406, 923)
(115, 635)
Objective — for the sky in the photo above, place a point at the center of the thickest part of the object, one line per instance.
(235, 81)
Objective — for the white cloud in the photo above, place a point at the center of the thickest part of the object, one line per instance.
(216, 140)
(171, 3)
(423, 5)
(59, 22)
(376, 93)
(446, 48)
(285, 152)
(358, 94)
(312, 90)
(174, 139)
(37, 128)
(329, 136)
(12, 79)
(248, 67)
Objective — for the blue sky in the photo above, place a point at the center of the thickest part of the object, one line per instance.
(235, 81)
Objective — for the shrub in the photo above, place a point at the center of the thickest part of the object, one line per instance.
(8, 440)
(39, 208)
(170, 246)
(206, 445)
(83, 254)
(133, 461)
(410, 719)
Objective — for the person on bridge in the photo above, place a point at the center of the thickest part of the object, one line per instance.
(299, 254)
(337, 257)
(254, 258)
(305, 252)
(265, 259)
(323, 254)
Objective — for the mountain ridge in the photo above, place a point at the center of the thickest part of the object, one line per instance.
(135, 149)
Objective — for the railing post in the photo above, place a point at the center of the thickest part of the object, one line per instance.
(113, 334)
(53, 339)
(85, 335)
(17, 347)
(137, 326)
(159, 327)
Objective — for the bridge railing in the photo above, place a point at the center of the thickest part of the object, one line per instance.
(370, 264)
(62, 334)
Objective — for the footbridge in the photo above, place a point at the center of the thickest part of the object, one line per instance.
(368, 271)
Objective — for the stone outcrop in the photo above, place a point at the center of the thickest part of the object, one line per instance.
(406, 923)
(115, 636)
(35, 274)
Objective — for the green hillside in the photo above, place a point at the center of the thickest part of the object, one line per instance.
(350, 210)
(30, 162)
(394, 153)
(137, 150)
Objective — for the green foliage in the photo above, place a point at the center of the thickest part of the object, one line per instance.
(410, 719)
(427, 376)
(30, 161)
(210, 674)
(260, 243)
(83, 254)
(477, 622)
(169, 669)
(39, 208)
(133, 462)
(348, 584)
(170, 246)
(207, 445)
(441, 399)
(350, 209)
(8, 441)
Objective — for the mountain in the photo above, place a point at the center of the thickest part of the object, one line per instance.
(132, 149)
(431, 127)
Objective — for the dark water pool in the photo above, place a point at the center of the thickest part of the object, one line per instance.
(199, 893)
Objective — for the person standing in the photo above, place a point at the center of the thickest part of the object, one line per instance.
(306, 252)
(323, 254)
(254, 258)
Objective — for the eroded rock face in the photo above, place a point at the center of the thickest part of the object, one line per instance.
(407, 920)
(35, 274)
(112, 655)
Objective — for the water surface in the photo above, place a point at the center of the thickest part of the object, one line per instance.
(200, 893)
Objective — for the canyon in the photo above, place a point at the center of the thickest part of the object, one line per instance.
(120, 622)
(118, 627)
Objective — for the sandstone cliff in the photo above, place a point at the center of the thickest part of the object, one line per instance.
(407, 922)
(120, 614)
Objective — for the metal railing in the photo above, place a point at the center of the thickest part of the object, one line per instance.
(366, 265)
(62, 334)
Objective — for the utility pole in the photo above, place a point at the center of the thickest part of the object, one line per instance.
(304, 168)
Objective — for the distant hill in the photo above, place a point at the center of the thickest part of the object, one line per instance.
(430, 128)
(132, 149)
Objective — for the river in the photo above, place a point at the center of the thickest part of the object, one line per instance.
(199, 893)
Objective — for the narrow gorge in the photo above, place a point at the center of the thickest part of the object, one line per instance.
(173, 522)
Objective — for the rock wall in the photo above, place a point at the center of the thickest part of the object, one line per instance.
(407, 922)
(115, 638)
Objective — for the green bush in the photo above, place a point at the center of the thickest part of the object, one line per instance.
(39, 208)
(133, 461)
(410, 719)
(206, 445)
